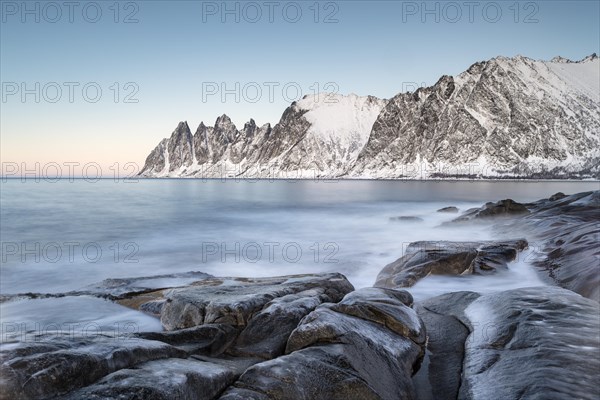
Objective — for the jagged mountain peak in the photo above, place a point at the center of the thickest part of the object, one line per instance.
(506, 115)
(182, 126)
(201, 128)
(249, 128)
(510, 116)
(223, 120)
(562, 60)
(591, 57)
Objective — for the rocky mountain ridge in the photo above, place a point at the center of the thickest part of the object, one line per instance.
(502, 118)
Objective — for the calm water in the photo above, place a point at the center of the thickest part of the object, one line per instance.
(63, 236)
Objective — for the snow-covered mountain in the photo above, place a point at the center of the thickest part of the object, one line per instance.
(506, 117)
(319, 135)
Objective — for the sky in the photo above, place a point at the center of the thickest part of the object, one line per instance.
(101, 83)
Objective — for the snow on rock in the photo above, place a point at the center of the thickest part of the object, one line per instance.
(506, 117)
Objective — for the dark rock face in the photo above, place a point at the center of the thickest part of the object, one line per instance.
(267, 331)
(57, 365)
(234, 301)
(249, 319)
(139, 292)
(566, 234)
(120, 288)
(550, 331)
(478, 344)
(265, 311)
(172, 378)
(210, 339)
(502, 208)
(450, 209)
(155, 162)
(367, 346)
(447, 331)
(448, 258)
(180, 147)
(557, 196)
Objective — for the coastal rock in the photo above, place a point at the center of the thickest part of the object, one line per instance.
(56, 364)
(557, 196)
(267, 331)
(502, 208)
(192, 379)
(448, 258)
(234, 301)
(210, 339)
(545, 331)
(565, 232)
(119, 288)
(367, 346)
(447, 330)
(406, 218)
(264, 311)
(132, 292)
(477, 342)
(450, 209)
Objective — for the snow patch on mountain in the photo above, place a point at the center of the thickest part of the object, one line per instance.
(343, 121)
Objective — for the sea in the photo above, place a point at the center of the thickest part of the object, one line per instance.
(65, 235)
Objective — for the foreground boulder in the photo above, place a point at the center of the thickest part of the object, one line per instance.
(264, 310)
(218, 328)
(448, 258)
(57, 364)
(540, 343)
(173, 378)
(234, 300)
(365, 347)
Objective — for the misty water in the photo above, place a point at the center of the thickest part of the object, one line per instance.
(63, 236)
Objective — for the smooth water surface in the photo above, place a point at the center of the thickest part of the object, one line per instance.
(63, 236)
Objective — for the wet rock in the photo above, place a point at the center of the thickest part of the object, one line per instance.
(367, 346)
(448, 258)
(234, 301)
(447, 330)
(152, 307)
(406, 218)
(264, 311)
(565, 233)
(125, 287)
(58, 364)
(210, 339)
(193, 379)
(131, 292)
(450, 209)
(549, 333)
(557, 196)
(544, 332)
(267, 332)
(502, 208)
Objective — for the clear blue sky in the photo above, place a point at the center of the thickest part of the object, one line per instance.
(177, 48)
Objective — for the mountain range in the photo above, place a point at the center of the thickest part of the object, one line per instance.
(502, 118)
